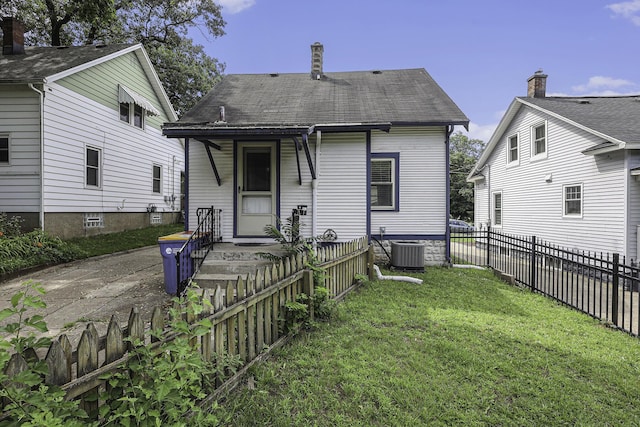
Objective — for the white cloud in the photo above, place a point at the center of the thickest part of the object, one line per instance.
(628, 9)
(235, 6)
(601, 82)
(481, 132)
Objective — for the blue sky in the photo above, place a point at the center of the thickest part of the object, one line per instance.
(480, 51)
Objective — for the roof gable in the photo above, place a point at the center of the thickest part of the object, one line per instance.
(397, 96)
(614, 119)
(48, 64)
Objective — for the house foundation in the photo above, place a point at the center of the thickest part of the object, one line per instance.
(72, 224)
(434, 252)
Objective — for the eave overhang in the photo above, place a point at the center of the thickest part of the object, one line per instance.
(213, 131)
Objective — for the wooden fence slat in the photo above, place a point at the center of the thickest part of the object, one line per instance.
(245, 315)
(115, 347)
(88, 362)
(65, 344)
(135, 329)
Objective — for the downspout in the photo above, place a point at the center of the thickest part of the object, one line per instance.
(447, 255)
(314, 187)
(41, 94)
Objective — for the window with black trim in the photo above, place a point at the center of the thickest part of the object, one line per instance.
(384, 181)
(4, 149)
(157, 179)
(92, 169)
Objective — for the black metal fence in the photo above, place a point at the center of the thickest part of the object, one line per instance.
(190, 256)
(600, 284)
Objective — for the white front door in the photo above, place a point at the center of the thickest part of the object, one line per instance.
(256, 179)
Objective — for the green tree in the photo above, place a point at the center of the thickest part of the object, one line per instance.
(162, 26)
(463, 154)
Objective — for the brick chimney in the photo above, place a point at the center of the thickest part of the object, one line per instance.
(316, 60)
(537, 85)
(13, 36)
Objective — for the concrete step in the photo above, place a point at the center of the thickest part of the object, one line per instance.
(214, 266)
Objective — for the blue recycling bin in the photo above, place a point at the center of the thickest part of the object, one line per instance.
(169, 246)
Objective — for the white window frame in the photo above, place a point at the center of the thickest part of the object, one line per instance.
(131, 117)
(98, 167)
(494, 209)
(565, 200)
(153, 178)
(393, 160)
(8, 138)
(515, 162)
(542, 155)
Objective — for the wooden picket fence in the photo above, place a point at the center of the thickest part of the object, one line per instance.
(246, 318)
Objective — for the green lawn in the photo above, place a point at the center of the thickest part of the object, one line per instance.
(116, 242)
(460, 349)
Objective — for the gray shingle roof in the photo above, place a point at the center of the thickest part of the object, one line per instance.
(40, 62)
(617, 117)
(397, 96)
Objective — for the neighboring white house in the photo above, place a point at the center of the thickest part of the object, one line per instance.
(81, 146)
(363, 153)
(564, 169)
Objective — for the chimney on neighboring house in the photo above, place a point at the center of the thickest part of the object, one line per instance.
(537, 85)
(13, 36)
(316, 60)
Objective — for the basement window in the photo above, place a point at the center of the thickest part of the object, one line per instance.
(93, 220)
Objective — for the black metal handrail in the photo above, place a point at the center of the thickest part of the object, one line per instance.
(191, 255)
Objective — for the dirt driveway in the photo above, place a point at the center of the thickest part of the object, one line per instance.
(94, 289)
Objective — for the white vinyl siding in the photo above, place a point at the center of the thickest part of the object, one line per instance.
(204, 191)
(423, 180)
(572, 200)
(74, 122)
(533, 192)
(342, 185)
(20, 122)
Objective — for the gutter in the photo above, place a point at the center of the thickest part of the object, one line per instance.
(41, 93)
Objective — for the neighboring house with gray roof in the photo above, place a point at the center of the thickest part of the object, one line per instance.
(564, 169)
(365, 153)
(81, 146)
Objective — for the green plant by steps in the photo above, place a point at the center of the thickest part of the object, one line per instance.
(286, 233)
(29, 401)
(164, 387)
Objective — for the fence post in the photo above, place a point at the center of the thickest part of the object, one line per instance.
(532, 265)
(488, 263)
(370, 261)
(614, 294)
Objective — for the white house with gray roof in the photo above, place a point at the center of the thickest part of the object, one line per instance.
(565, 169)
(81, 146)
(365, 153)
